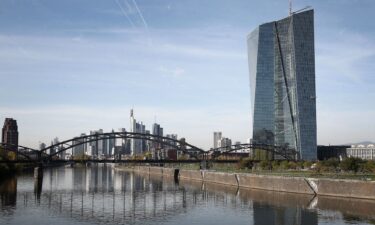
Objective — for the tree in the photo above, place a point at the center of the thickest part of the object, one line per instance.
(350, 164)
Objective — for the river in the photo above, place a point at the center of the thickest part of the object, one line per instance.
(99, 194)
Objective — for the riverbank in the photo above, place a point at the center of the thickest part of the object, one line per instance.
(302, 185)
(7, 170)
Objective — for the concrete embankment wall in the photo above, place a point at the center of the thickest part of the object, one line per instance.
(275, 183)
(191, 175)
(220, 178)
(346, 188)
(318, 186)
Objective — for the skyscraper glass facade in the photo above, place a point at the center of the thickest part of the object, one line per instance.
(282, 81)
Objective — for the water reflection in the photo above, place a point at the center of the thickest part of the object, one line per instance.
(8, 192)
(101, 195)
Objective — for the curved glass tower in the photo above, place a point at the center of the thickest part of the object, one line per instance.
(282, 81)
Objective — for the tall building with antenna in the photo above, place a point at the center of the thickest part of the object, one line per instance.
(137, 146)
(282, 81)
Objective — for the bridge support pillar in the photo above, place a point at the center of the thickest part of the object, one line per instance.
(204, 165)
(38, 181)
(38, 172)
(175, 175)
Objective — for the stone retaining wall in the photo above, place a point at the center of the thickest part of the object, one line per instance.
(190, 174)
(346, 188)
(275, 183)
(156, 170)
(318, 186)
(220, 178)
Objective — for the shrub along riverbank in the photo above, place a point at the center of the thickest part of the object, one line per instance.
(349, 168)
(9, 169)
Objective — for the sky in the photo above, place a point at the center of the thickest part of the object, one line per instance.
(68, 67)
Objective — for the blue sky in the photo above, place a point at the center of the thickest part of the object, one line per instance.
(71, 66)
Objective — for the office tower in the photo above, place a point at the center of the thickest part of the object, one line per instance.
(10, 134)
(122, 145)
(54, 149)
(111, 144)
(42, 146)
(96, 147)
(282, 79)
(217, 137)
(80, 147)
(158, 131)
(137, 146)
(172, 136)
(224, 143)
(148, 143)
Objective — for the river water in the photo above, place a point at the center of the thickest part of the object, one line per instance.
(99, 194)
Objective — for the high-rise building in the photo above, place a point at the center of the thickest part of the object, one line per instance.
(55, 149)
(224, 143)
(172, 144)
(96, 147)
(110, 144)
(157, 130)
(42, 145)
(10, 133)
(137, 146)
(282, 79)
(217, 137)
(122, 145)
(80, 147)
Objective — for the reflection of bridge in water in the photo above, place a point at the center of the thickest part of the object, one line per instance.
(102, 195)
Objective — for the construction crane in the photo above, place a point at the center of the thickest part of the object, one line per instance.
(291, 11)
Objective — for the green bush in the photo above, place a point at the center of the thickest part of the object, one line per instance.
(275, 165)
(292, 165)
(284, 165)
(299, 165)
(245, 163)
(350, 164)
(307, 164)
(265, 165)
(367, 167)
(330, 165)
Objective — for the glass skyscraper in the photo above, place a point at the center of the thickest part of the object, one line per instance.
(282, 81)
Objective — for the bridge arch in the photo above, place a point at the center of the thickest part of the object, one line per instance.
(286, 153)
(20, 150)
(179, 145)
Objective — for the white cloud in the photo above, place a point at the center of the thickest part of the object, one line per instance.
(202, 52)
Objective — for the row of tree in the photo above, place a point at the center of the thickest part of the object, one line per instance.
(354, 165)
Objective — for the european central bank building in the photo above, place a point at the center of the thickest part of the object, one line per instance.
(282, 82)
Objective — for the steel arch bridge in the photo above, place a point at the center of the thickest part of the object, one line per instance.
(20, 151)
(283, 151)
(179, 145)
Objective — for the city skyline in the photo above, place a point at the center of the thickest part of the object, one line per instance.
(83, 68)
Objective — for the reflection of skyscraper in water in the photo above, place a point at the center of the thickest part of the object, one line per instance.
(79, 178)
(94, 178)
(265, 214)
(8, 192)
(107, 179)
